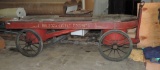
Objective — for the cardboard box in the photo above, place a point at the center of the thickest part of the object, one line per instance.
(150, 27)
(152, 66)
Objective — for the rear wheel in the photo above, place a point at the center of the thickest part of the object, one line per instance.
(26, 43)
(114, 51)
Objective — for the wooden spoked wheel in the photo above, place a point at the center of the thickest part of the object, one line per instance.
(117, 47)
(29, 43)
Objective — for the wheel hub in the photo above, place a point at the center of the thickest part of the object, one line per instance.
(115, 47)
(29, 43)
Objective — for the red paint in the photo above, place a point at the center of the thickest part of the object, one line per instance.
(42, 33)
(114, 37)
(71, 25)
(58, 33)
(31, 37)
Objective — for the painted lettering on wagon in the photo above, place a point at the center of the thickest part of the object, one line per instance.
(55, 26)
(75, 26)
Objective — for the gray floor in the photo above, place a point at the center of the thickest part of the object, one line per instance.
(63, 57)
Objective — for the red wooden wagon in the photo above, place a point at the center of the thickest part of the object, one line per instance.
(114, 44)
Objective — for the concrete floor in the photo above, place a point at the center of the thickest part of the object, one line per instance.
(63, 57)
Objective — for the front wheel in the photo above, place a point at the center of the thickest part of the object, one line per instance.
(29, 43)
(116, 48)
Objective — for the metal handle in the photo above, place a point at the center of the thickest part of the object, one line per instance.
(141, 4)
(140, 8)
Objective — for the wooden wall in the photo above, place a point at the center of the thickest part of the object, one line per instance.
(150, 26)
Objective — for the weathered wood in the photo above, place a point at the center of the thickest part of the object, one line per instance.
(111, 18)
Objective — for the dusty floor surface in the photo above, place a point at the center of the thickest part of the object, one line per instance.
(63, 57)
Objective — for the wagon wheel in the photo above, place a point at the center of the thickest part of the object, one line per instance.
(114, 51)
(25, 44)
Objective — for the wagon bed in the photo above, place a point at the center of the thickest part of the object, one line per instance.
(53, 22)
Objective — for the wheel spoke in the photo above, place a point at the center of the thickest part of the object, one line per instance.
(122, 51)
(25, 46)
(118, 53)
(107, 40)
(35, 45)
(114, 53)
(25, 50)
(33, 39)
(107, 50)
(110, 52)
(32, 49)
(28, 48)
(115, 38)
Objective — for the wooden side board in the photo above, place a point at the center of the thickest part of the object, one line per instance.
(150, 26)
